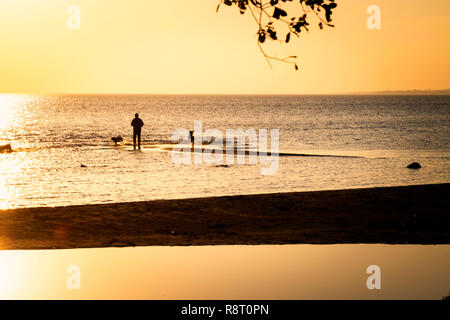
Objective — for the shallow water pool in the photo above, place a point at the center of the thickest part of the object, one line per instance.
(227, 272)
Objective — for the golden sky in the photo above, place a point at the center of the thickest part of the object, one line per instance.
(179, 46)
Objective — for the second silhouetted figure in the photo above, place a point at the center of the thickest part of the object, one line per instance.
(137, 124)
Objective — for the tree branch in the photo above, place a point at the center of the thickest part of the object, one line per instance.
(270, 24)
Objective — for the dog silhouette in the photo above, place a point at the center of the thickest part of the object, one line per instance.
(117, 140)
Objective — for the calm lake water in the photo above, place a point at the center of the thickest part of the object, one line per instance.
(228, 272)
(53, 135)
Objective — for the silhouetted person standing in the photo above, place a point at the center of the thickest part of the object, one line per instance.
(137, 124)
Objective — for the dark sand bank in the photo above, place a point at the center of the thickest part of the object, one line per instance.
(412, 214)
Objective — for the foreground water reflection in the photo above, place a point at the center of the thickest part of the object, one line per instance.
(228, 272)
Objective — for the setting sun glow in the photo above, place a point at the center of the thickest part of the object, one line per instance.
(186, 47)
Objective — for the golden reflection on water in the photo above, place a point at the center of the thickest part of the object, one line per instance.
(8, 113)
(13, 111)
(229, 272)
(11, 273)
(11, 171)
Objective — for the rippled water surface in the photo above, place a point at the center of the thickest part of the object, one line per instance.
(53, 135)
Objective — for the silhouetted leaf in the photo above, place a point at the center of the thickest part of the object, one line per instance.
(272, 34)
(277, 13)
(262, 36)
(288, 37)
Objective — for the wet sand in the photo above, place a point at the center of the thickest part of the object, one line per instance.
(396, 215)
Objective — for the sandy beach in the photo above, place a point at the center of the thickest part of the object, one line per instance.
(397, 215)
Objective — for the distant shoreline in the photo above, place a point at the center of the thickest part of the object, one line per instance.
(394, 215)
(445, 92)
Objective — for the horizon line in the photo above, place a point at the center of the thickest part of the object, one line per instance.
(378, 92)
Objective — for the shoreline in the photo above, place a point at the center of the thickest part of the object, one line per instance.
(391, 215)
